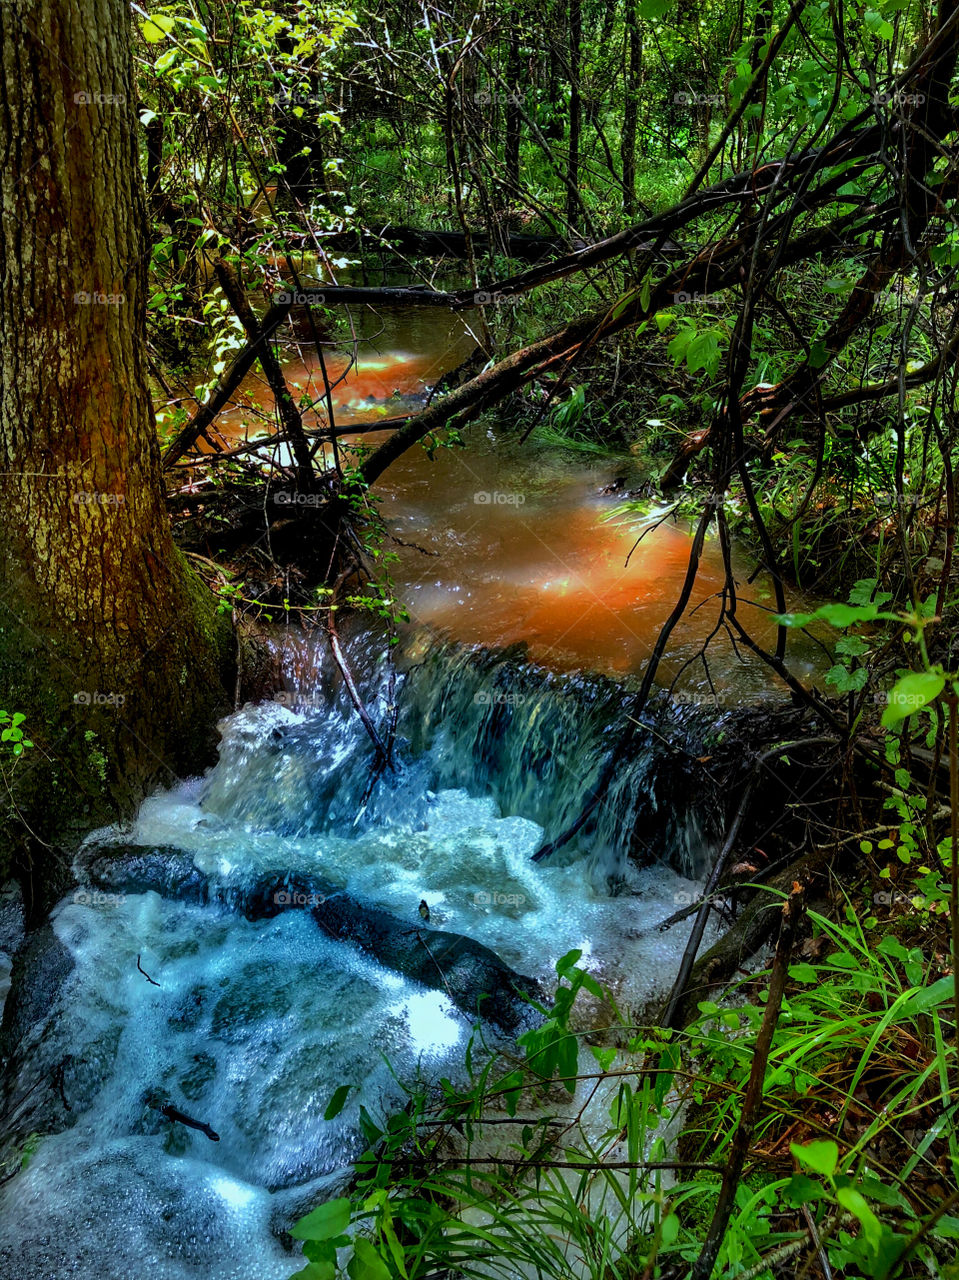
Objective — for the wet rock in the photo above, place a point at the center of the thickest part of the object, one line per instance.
(11, 918)
(11, 933)
(168, 872)
(32, 1099)
(39, 971)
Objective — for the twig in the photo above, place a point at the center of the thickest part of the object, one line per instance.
(337, 651)
(145, 974)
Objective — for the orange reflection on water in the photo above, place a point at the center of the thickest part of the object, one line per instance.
(518, 543)
(524, 551)
(396, 358)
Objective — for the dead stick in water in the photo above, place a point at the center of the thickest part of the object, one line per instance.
(287, 410)
(381, 752)
(179, 1117)
(674, 1003)
(739, 1147)
(230, 380)
(145, 974)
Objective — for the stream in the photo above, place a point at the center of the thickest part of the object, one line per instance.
(253, 939)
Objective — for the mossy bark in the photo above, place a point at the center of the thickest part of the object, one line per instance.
(108, 642)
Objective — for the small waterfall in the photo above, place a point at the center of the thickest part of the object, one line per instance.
(537, 742)
(485, 722)
(169, 977)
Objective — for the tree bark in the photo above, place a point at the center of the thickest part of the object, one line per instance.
(632, 74)
(108, 643)
(575, 110)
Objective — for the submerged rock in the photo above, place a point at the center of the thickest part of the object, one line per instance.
(473, 977)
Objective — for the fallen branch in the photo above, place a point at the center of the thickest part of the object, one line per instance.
(671, 1016)
(229, 381)
(382, 755)
(287, 410)
(153, 981)
(180, 1117)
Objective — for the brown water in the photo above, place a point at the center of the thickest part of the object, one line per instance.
(383, 367)
(526, 547)
(516, 542)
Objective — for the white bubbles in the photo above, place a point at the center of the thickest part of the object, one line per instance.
(435, 1027)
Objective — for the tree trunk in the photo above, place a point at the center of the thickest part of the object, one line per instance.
(108, 642)
(633, 71)
(513, 116)
(575, 110)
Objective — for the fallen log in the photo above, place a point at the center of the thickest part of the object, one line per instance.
(434, 243)
(714, 969)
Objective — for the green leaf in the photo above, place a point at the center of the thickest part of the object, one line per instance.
(937, 994)
(837, 615)
(605, 1057)
(851, 1200)
(801, 1190)
(911, 692)
(337, 1102)
(821, 1157)
(846, 681)
(157, 28)
(316, 1271)
(803, 973)
(818, 355)
(852, 646)
(568, 962)
(864, 592)
(669, 1229)
(368, 1127)
(703, 353)
(651, 9)
(366, 1263)
(878, 25)
(324, 1222)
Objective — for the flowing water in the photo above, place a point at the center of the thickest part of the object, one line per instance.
(510, 541)
(249, 1025)
(172, 976)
